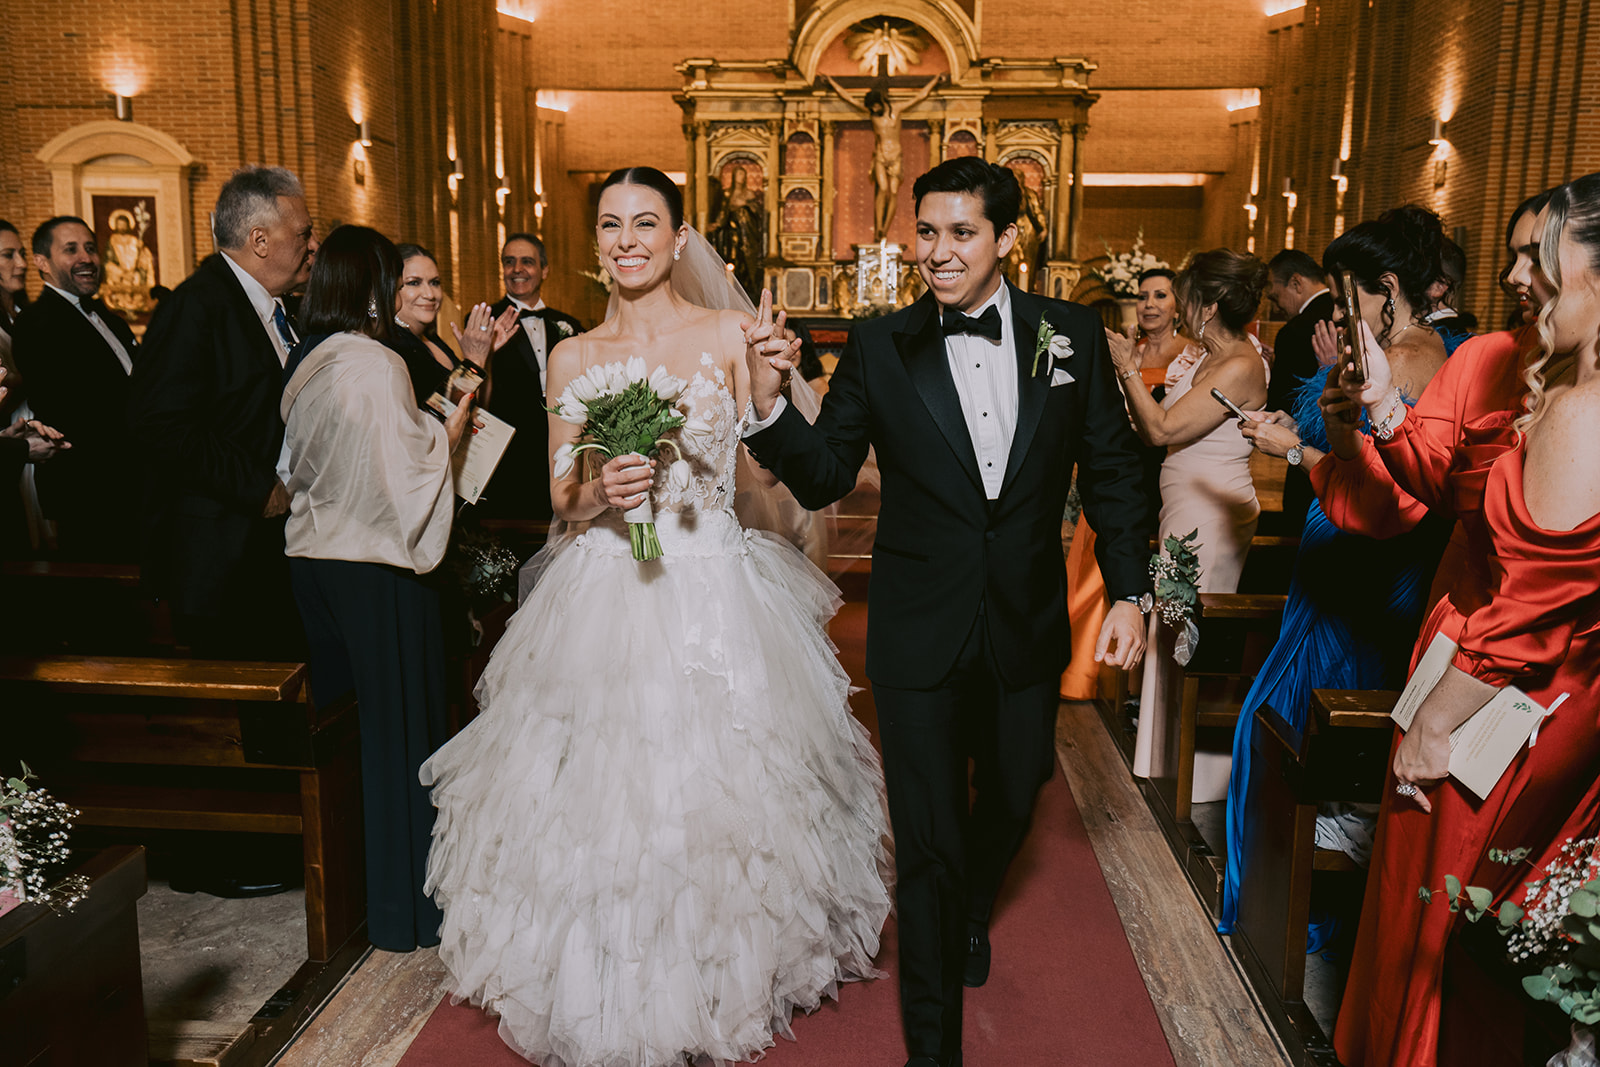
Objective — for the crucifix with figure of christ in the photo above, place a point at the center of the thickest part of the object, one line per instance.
(887, 161)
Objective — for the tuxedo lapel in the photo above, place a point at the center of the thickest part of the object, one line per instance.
(1032, 388)
(244, 314)
(922, 351)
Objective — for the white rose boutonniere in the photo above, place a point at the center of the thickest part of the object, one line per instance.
(564, 329)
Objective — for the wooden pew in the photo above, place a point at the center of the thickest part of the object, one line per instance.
(1236, 632)
(203, 745)
(81, 607)
(1343, 755)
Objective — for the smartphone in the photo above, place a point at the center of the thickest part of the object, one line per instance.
(1220, 397)
(1355, 346)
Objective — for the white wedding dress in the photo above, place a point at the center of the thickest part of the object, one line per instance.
(665, 830)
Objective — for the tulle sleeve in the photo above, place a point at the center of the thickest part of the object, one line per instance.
(1548, 590)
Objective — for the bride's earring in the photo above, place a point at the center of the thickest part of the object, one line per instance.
(676, 253)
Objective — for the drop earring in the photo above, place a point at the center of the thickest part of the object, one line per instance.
(1201, 335)
(676, 252)
(372, 308)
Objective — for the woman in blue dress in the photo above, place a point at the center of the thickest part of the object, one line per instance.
(1354, 602)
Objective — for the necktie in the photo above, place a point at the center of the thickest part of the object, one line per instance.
(985, 325)
(281, 320)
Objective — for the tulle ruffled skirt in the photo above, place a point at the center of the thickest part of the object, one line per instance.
(665, 831)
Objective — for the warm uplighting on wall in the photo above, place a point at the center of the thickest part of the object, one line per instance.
(1339, 177)
(517, 9)
(500, 195)
(552, 101)
(1278, 7)
(1245, 98)
(1250, 209)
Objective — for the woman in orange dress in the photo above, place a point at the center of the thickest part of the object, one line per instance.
(1528, 615)
(1159, 345)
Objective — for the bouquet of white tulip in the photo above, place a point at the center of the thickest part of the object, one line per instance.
(625, 410)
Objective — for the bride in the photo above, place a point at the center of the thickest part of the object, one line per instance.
(665, 831)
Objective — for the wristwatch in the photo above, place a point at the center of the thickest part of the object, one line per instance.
(1294, 455)
(1144, 602)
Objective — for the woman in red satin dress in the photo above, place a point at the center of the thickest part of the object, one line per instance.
(1525, 610)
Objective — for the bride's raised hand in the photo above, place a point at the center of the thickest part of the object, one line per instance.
(769, 356)
(625, 481)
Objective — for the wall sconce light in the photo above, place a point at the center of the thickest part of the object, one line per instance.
(1437, 137)
(1288, 187)
(361, 171)
(453, 178)
(500, 195)
(1339, 177)
(124, 108)
(363, 134)
(1250, 209)
(1292, 197)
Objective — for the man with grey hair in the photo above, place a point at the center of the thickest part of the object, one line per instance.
(205, 406)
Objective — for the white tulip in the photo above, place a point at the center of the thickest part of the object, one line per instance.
(616, 377)
(602, 384)
(573, 412)
(582, 388)
(563, 463)
(665, 385)
(635, 369)
(678, 476)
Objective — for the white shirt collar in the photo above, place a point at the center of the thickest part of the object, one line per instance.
(1312, 297)
(71, 298)
(264, 302)
(1000, 300)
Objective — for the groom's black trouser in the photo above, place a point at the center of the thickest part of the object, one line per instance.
(950, 855)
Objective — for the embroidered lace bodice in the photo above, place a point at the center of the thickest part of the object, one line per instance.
(712, 460)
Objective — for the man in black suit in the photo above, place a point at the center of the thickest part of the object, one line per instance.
(1295, 286)
(520, 487)
(76, 355)
(980, 400)
(206, 412)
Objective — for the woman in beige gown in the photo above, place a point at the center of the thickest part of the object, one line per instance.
(1205, 479)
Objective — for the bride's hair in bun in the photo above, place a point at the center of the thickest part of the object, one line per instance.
(651, 178)
(1228, 279)
(1403, 241)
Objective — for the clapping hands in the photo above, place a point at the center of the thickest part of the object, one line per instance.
(485, 333)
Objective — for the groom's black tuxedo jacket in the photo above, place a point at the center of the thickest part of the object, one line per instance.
(520, 487)
(943, 549)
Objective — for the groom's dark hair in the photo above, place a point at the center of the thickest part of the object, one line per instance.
(995, 185)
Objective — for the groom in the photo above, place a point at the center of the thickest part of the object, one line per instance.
(980, 399)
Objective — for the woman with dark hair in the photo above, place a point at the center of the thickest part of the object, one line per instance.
(1524, 614)
(1354, 603)
(1205, 479)
(664, 831)
(429, 360)
(13, 298)
(370, 508)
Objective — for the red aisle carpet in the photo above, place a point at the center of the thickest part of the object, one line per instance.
(1064, 991)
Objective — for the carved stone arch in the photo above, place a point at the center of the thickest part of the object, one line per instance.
(949, 26)
(126, 158)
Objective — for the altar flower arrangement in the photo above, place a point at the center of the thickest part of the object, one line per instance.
(1121, 272)
(1175, 570)
(33, 847)
(625, 410)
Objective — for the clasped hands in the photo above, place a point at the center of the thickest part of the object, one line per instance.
(43, 441)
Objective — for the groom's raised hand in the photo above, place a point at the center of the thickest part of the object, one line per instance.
(1121, 642)
(769, 354)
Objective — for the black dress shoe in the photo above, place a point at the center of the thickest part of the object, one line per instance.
(229, 887)
(977, 969)
(929, 1061)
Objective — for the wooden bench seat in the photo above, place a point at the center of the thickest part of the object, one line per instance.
(1341, 755)
(203, 745)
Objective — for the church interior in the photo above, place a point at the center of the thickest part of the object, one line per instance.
(1145, 131)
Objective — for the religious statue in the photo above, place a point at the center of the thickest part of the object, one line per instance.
(738, 232)
(130, 268)
(886, 156)
(1031, 235)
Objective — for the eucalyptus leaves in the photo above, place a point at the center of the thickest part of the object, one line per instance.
(626, 409)
(1176, 573)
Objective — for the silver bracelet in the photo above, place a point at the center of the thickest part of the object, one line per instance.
(1384, 429)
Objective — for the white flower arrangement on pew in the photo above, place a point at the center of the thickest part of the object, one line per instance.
(625, 410)
(33, 847)
(1122, 269)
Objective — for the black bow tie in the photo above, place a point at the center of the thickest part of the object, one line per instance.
(530, 313)
(985, 325)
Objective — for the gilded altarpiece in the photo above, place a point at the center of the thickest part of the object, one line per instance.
(793, 161)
